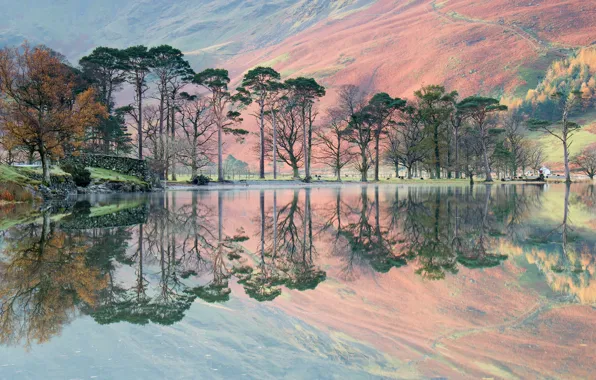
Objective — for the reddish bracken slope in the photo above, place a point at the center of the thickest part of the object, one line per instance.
(395, 46)
(486, 47)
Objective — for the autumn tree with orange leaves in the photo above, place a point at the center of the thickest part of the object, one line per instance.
(39, 105)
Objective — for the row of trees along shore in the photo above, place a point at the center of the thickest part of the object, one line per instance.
(49, 109)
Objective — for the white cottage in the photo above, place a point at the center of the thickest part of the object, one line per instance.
(544, 170)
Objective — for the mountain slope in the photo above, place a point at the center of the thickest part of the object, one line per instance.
(209, 29)
(489, 46)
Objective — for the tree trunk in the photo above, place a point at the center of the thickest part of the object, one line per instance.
(173, 133)
(45, 166)
(274, 145)
(106, 141)
(220, 173)
(164, 145)
(305, 150)
(262, 143)
(295, 171)
(437, 153)
(457, 173)
(489, 177)
(409, 172)
(262, 204)
(364, 171)
(140, 121)
(566, 158)
(309, 140)
(377, 138)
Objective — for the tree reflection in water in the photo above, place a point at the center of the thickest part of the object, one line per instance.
(44, 276)
(181, 249)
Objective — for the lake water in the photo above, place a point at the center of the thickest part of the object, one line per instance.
(323, 283)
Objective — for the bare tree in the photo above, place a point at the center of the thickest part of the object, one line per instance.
(535, 156)
(196, 134)
(160, 149)
(586, 160)
(333, 149)
(514, 137)
(288, 131)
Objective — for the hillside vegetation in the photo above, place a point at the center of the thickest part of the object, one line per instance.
(208, 31)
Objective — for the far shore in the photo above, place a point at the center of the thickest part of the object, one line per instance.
(288, 184)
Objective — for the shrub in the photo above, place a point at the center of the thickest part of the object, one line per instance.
(12, 192)
(201, 180)
(6, 195)
(80, 175)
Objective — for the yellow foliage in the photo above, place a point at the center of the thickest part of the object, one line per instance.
(577, 72)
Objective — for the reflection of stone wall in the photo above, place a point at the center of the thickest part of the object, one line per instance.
(81, 220)
(124, 165)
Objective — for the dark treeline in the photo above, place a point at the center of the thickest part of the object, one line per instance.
(179, 117)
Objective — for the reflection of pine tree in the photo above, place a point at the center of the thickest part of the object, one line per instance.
(156, 245)
(443, 228)
(474, 249)
(435, 255)
(286, 252)
(217, 290)
(262, 283)
(368, 240)
(333, 227)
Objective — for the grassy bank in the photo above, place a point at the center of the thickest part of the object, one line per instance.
(104, 175)
(16, 185)
(21, 184)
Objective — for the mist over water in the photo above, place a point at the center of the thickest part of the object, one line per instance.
(353, 281)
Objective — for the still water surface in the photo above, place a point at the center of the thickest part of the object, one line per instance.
(323, 283)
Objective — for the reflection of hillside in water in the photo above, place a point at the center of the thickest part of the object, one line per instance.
(563, 246)
(147, 260)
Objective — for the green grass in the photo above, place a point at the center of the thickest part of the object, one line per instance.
(15, 175)
(113, 208)
(105, 175)
(554, 148)
(55, 170)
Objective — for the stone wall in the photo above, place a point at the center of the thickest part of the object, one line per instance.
(61, 185)
(124, 165)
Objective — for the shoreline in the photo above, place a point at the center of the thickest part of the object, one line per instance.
(285, 184)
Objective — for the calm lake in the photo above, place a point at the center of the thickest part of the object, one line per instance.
(324, 283)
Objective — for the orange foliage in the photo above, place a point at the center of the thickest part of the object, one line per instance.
(577, 72)
(12, 192)
(38, 103)
(5, 195)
